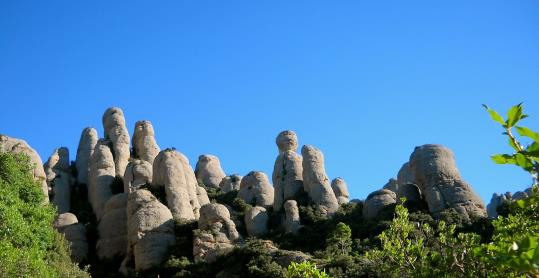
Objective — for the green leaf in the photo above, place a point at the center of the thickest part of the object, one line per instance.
(533, 150)
(513, 115)
(523, 162)
(524, 131)
(503, 159)
(494, 115)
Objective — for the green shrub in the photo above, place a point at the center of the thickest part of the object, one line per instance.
(29, 246)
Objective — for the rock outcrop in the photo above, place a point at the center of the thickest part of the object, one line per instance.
(144, 145)
(87, 143)
(75, 234)
(217, 233)
(436, 174)
(376, 201)
(230, 183)
(496, 201)
(291, 222)
(113, 228)
(102, 172)
(316, 182)
(171, 169)
(59, 179)
(18, 146)
(137, 173)
(255, 189)
(116, 132)
(208, 171)
(340, 189)
(150, 231)
(256, 221)
(287, 177)
(287, 141)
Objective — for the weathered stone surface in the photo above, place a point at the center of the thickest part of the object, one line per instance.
(255, 189)
(376, 201)
(87, 143)
(150, 231)
(116, 132)
(75, 234)
(137, 173)
(113, 228)
(405, 174)
(217, 233)
(316, 182)
(287, 177)
(171, 169)
(291, 221)
(230, 183)
(287, 141)
(202, 196)
(102, 172)
(392, 185)
(496, 201)
(437, 176)
(17, 146)
(256, 221)
(208, 170)
(59, 179)
(340, 189)
(144, 145)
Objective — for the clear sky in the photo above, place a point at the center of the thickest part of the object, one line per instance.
(364, 82)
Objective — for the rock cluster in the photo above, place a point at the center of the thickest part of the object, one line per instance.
(230, 183)
(208, 171)
(499, 199)
(59, 179)
(137, 173)
(256, 189)
(287, 174)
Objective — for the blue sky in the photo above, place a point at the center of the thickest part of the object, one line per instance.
(365, 82)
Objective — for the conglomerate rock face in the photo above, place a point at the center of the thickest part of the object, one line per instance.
(316, 182)
(436, 174)
(287, 177)
(18, 146)
(137, 173)
(113, 228)
(230, 183)
(144, 145)
(208, 171)
(171, 169)
(75, 234)
(341, 190)
(150, 231)
(59, 179)
(102, 172)
(256, 189)
(291, 222)
(256, 221)
(287, 141)
(376, 201)
(116, 132)
(87, 143)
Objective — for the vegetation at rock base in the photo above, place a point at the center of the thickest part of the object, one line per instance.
(29, 246)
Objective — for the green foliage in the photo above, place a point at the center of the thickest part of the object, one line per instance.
(305, 270)
(527, 157)
(339, 241)
(29, 246)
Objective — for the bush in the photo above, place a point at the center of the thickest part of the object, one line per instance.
(29, 246)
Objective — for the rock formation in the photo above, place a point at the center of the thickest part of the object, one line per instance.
(256, 221)
(287, 141)
(405, 174)
(87, 143)
(218, 233)
(208, 171)
(171, 169)
(316, 182)
(150, 231)
(376, 201)
(18, 146)
(144, 145)
(287, 176)
(202, 196)
(137, 173)
(255, 189)
(113, 228)
(102, 172)
(230, 183)
(441, 185)
(340, 189)
(391, 185)
(116, 132)
(496, 201)
(75, 234)
(291, 221)
(59, 179)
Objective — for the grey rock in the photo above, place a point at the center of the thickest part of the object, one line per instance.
(116, 132)
(137, 173)
(287, 177)
(230, 183)
(255, 189)
(75, 234)
(208, 171)
(287, 141)
(113, 228)
(87, 143)
(256, 221)
(102, 172)
(144, 145)
(291, 222)
(376, 201)
(340, 189)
